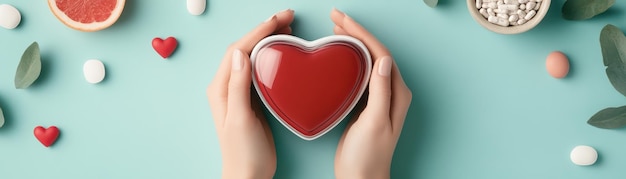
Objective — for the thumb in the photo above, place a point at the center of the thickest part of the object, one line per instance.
(239, 83)
(379, 99)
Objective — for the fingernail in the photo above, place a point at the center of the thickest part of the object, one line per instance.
(269, 19)
(236, 60)
(384, 66)
(334, 8)
(286, 10)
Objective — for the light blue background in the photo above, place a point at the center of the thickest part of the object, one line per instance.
(483, 107)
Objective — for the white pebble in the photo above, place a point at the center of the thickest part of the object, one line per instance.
(94, 71)
(196, 7)
(584, 155)
(10, 17)
(530, 14)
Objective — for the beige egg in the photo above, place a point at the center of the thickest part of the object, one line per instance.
(557, 64)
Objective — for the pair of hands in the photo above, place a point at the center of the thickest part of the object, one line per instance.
(366, 147)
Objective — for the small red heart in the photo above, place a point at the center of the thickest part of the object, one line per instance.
(47, 137)
(310, 86)
(166, 47)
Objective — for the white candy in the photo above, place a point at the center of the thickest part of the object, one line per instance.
(94, 71)
(10, 17)
(583, 155)
(196, 7)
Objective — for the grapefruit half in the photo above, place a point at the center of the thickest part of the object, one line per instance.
(87, 15)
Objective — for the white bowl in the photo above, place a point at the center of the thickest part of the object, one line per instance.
(543, 10)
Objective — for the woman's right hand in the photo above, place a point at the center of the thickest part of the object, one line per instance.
(366, 148)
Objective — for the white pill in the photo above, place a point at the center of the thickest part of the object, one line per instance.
(492, 19)
(196, 7)
(531, 5)
(10, 17)
(522, 6)
(515, 2)
(484, 12)
(504, 16)
(502, 22)
(492, 5)
(513, 18)
(584, 155)
(530, 15)
(479, 4)
(521, 14)
(94, 71)
(490, 12)
(537, 6)
(523, 1)
(521, 21)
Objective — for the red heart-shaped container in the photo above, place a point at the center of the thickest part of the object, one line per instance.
(310, 86)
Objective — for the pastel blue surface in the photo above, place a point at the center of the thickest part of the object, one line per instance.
(483, 107)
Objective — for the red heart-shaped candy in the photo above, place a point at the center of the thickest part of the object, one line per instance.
(166, 47)
(310, 86)
(47, 137)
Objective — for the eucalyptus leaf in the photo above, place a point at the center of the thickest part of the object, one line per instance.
(29, 68)
(613, 44)
(609, 118)
(431, 3)
(585, 9)
(1, 118)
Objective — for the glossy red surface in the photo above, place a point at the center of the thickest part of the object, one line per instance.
(309, 89)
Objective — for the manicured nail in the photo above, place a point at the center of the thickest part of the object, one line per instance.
(269, 19)
(236, 60)
(384, 67)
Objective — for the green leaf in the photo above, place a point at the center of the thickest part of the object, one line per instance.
(609, 118)
(1, 118)
(613, 44)
(29, 68)
(585, 9)
(431, 3)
